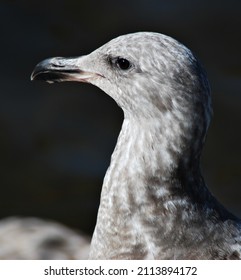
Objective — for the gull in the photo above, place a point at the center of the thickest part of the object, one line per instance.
(30, 238)
(154, 202)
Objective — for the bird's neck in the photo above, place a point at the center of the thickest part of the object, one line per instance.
(145, 180)
(150, 155)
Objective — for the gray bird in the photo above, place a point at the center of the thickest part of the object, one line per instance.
(154, 201)
(36, 239)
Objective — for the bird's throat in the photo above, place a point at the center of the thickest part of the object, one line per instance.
(137, 191)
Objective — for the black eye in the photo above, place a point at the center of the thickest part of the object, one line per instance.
(123, 63)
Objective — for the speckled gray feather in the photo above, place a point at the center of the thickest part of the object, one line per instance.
(154, 201)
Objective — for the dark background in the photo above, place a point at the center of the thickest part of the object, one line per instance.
(56, 140)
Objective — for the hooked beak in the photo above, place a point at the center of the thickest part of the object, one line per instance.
(59, 69)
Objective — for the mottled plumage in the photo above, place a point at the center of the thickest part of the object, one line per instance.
(154, 202)
(37, 239)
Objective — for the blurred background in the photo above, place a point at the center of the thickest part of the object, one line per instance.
(56, 140)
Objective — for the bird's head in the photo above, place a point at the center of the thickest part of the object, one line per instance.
(148, 74)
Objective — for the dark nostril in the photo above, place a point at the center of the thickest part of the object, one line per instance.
(58, 65)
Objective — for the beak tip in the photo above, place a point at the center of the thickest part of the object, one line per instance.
(38, 69)
(43, 72)
(32, 76)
